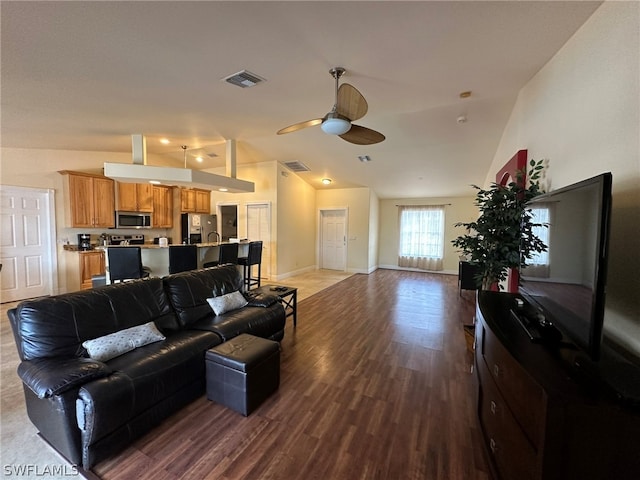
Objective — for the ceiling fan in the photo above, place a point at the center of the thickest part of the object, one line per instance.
(350, 105)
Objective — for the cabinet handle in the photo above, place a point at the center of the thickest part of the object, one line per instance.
(494, 407)
(496, 370)
(493, 446)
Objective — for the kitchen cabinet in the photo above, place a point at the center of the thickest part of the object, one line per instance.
(162, 207)
(135, 197)
(193, 200)
(91, 263)
(89, 200)
(203, 201)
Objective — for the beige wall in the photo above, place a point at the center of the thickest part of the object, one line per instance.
(296, 224)
(461, 209)
(264, 177)
(581, 112)
(374, 230)
(357, 202)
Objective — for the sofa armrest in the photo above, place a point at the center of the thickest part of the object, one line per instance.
(51, 376)
(261, 299)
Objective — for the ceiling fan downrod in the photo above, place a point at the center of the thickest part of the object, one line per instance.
(184, 149)
(336, 73)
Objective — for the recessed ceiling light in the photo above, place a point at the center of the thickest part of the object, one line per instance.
(155, 182)
(164, 141)
(199, 159)
(326, 181)
(223, 189)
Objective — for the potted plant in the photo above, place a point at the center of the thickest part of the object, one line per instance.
(502, 237)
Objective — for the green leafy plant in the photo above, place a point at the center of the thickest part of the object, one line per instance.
(502, 237)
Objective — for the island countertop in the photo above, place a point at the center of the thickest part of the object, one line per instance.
(156, 257)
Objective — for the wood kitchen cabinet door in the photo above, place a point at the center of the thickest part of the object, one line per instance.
(187, 200)
(203, 201)
(91, 263)
(162, 207)
(80, 200)
(135, 197)
(103, 202)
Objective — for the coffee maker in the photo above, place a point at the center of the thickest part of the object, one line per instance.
(84, 241)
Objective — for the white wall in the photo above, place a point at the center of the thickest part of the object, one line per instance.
(461, 209)
(581, 113)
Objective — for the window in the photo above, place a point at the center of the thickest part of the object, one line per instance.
(541, 215)
(538, 264)
(421, 236)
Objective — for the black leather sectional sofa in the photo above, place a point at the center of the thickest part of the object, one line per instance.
(89, 409)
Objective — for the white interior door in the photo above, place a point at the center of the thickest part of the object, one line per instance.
(259, 228)
(26, 243)
(333, 249)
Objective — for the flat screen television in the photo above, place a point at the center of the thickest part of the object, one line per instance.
(566, 285)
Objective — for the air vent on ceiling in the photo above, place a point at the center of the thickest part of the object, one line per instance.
(297, 166)
(244, 79)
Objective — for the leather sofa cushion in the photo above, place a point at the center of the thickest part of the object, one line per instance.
(140, 379)
(57, 326)
(258, 321)
(188, 291)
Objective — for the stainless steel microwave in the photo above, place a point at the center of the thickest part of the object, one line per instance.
(133, 220)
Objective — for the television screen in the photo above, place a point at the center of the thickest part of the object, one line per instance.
(566, 284)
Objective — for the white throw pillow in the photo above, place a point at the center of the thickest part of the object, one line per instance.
(228, 302)
(115, 344)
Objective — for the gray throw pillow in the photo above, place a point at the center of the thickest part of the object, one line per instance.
(115, 344)
(228, 302)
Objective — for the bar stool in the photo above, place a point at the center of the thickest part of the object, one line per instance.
(228, 253)
(254, 257)
(125, 263)
(183, 258)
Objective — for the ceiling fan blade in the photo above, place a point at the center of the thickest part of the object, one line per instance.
(362, 136)
(350, 102)
(300, 126)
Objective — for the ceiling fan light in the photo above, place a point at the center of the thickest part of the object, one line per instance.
(335, 126)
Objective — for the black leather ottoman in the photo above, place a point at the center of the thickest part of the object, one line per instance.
(243, 372)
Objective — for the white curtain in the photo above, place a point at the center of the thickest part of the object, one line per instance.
(421, 236)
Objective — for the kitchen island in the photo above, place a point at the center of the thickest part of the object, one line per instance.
(156, 257)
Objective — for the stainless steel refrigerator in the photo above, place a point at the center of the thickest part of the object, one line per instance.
(199, 228)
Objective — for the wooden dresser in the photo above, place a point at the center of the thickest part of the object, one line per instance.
(541, 416)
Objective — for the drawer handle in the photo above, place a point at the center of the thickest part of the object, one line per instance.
(496, 370)
(494, 407)
(493, 446)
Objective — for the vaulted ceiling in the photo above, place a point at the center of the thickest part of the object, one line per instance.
(88, 75)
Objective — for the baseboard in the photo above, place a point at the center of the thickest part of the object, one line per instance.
(310, 268)
(407, 269)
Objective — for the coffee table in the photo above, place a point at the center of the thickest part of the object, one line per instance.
(288, 297)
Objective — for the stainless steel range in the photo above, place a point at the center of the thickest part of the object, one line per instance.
(126, 239)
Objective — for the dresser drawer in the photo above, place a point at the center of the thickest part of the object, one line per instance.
(526, 399)
(514, 456)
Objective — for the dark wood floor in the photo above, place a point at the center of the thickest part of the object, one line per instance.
(376, 384)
